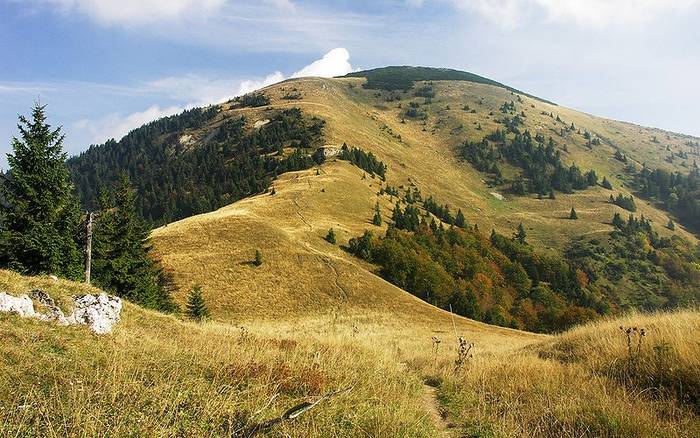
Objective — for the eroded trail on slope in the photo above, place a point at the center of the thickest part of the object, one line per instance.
(434, 410)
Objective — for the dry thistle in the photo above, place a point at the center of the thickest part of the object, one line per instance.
(632, 333)
(436, 347)
(463, 352)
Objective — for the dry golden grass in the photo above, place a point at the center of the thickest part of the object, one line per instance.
(317, 320)
(583, 383)
(159, 376)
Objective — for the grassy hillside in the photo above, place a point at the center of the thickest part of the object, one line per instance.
(302, 273)
(156, 375)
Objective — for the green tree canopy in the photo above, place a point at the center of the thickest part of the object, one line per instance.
(196, 307)
(39, 227)
(122, 261)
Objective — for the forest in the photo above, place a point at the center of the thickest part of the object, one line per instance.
(541, 164)
(175, 181)
(675, 192)
(505, 281)
(403, 78)
(364, 160)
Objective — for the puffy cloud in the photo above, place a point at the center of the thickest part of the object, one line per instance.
(117, 126)
(255, 84)
(334, 63)
(193, 90)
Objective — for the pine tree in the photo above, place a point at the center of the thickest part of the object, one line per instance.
(196, 307)
(330, 237)
(520, 235)
(459, 220)
(606, 184)
(377, 219)
(40, 216)
(573, 216)
(671, 226)
(258, 258)
(121, 256)
(617, 221)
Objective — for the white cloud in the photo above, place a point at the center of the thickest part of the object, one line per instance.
(194, 90)
(606, 12)
(255, 84)
(589, 13)
(334, 63)
(116, 126)
(131, 12)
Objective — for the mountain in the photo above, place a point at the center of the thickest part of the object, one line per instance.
(438, 141)
(380, 327)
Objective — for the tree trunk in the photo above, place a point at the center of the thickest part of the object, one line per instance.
(88, 247)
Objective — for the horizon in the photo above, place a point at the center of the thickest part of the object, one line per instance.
(107, 67)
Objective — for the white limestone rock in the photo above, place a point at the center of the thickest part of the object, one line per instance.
(52, 312)
(21, 305)
(99, 312)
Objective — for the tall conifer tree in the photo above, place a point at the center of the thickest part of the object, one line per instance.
(39, 225)
(122, 262)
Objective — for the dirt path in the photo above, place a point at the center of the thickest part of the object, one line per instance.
(432, 406)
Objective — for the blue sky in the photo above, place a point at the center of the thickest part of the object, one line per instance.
(107, 66)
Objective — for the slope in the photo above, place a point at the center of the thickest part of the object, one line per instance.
(301, 273)
(156, 375)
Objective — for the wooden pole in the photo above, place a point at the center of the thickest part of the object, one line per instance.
(88, 247)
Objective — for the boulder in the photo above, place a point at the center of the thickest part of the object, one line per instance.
(99, 312)
(21, 305)
(52, 311)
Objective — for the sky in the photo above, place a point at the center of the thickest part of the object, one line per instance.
(104, 67)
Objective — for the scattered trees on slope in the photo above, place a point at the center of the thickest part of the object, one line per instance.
(541, 165)
(364, 160)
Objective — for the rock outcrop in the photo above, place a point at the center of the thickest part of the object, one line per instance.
(99, 312)
(21, 305)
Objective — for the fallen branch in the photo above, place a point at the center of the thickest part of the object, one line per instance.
(290, 413)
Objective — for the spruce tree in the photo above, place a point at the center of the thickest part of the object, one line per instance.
(671, 226)
(258, 258)
(377, 219)
(573, 216)
(459, 220)
(39, 231)
(606, 184)
(121, 258)
(520, 235)
(196, 307)
(617, 221)
(330, 237)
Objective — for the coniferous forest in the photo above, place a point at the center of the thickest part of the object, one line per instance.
(175, 180)
(543, 170)
(42, 230)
